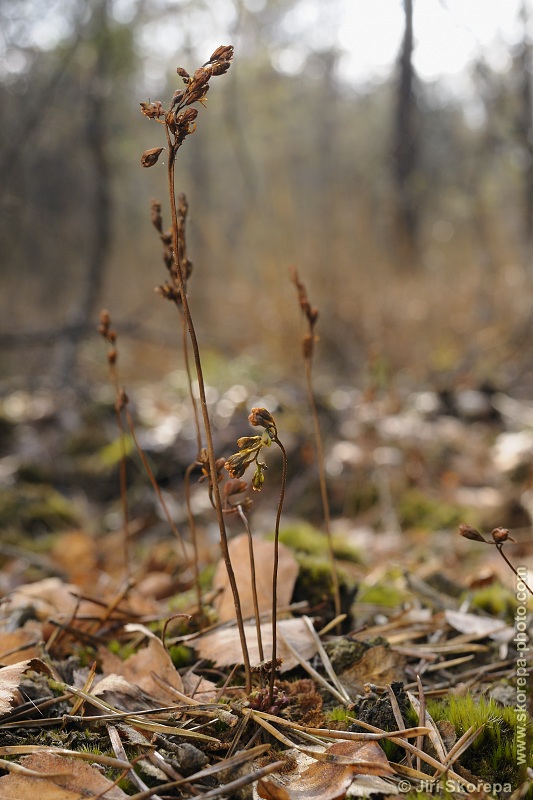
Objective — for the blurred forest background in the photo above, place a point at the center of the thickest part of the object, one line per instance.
(405, 203)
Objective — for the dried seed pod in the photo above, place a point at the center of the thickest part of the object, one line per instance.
(155, 215)
(197, 95)
(501, 535)
(258, 478)
(220, 67)
(200, 77)
(153, 110)
(248, 442)
(468, 532)
(222, 53)
(260, 417)
(149, 157)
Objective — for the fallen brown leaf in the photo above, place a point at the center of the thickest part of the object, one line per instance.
(82, 780)
(10, 680)
(23, 641)
(330, 781)
(223, 647)
(474, 625)
(379, 665)
(264, 560)
(140, 668)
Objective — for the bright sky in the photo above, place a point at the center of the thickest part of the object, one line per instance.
(448, 34)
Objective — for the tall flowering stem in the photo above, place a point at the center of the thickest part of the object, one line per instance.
(180, 121)
(249, 450)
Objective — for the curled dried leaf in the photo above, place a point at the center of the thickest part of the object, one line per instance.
(327, 780)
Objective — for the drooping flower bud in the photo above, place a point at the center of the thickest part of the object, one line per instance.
(260, 417)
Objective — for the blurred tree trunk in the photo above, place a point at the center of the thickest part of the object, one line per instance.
(525, 125)
(95, 134)
(405, 148)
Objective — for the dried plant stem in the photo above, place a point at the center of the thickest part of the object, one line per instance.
(311, 314)
(172, 149)
(188, 372)
(499, 548)
(190, 515)
(253, 582)
(323, 486)
(275, 569)
(154, 483)
(110, 336)
(194, 535)
(124, 497)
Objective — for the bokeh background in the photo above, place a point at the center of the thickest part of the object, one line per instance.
(383, 148)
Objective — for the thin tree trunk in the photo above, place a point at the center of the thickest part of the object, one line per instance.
(99, 217)
(405, 149)
(525, 128)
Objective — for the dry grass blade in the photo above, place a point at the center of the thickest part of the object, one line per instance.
(375, 734)
(24, 749)
(340, 696)
(136, 720)
(78, 703)
(237, 784)
(325, 660)
(421, 710)
(228, 763)
(12, 766)
(398, 717)
(119, 751)
(441, 768)
(434, 734)
(463, 744)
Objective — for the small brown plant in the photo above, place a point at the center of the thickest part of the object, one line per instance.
(499, 537)
(121, 408)
(236, 465)
(311, 314)
(110, 336)
(179, 121)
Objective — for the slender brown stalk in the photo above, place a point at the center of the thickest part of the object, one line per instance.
(172, 150)
(499, 537)
(154, 483)
(180, 121)
(323, 486)
(194, 535)
(253, 582)
(308, 345)
(275, 569)
(105, 329)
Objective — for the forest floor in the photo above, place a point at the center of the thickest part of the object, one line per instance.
(114, 683)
